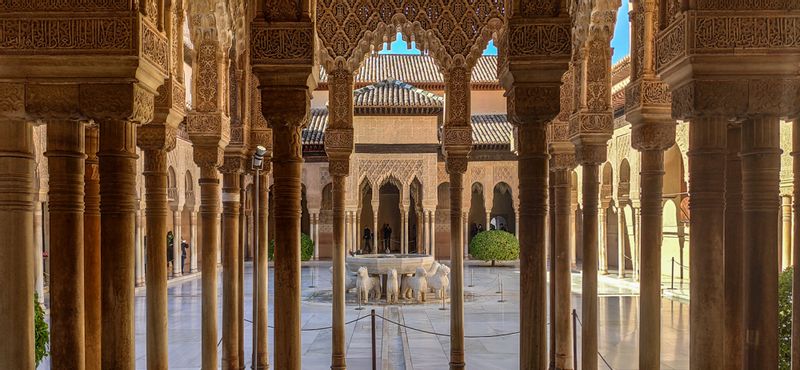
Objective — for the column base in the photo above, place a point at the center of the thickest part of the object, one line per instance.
(194, 271)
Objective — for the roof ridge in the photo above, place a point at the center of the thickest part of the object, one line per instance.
(394, 82)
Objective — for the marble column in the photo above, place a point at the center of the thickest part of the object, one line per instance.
(602, 237)
(404, 230)
(426, 238)
(209, 247)
(339, 342)
(17, 166)
(761, 164)
(652, 181)
(488, 220)
(65, 156)
(231, 187)
(466, 229)
(786, 228)
(795, 242)
(155, 177)
(622, 235)
(38, 251)
(139, 253)
(243, 242)
(176, 243)
(91, 249)
(573, 241)
(562, 323)
(707, 146)
(193, 248)
(533, 208)
(636, 251)
(118, 156)
(286, 121)
(262, 360)
(457, 266)
(589, 246)
(733, 250)
(551, 268)
(432, 250)
(376, 237)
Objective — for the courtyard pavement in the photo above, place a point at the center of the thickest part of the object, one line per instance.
(404, 348)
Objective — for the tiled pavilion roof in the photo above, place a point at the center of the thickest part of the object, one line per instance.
(395, 97)
(489, 131)
(419, 70)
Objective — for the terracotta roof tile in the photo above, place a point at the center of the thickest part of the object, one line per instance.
(394, 96)
(416, 69)
(488, 130)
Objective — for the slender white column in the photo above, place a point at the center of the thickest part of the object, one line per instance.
(786, 212)
(193, 244)
(488, 220)
(602, 237)
(176, 244)
(433, 233)
(139, 270)
(38, 263)
(465, 223)
(621, 236)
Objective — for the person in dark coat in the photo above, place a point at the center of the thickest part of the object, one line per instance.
(184, 248)
(367, 238)
(170, 249)
(387, 237)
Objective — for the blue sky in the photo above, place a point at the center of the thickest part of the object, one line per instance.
(621, 42)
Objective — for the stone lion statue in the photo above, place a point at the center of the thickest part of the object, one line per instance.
(439, 283)
(367, 285)
(392, 287)
(416, 285)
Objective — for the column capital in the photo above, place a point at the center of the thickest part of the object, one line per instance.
(232, 164)
(653, 135)
(339, 167)
(154, 136)
(562, 161)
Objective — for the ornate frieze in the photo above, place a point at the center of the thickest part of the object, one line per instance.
(540, 40)
(339, 140)
(64, 5)
(76, 35)
(155, 48)
(647, 92)
(281, 43)
(736, 98)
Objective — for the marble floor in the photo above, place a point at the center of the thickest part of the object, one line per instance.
(404, 348)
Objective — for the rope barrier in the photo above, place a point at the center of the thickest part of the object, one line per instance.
(448, 335)
(316, 329)
(598, 352)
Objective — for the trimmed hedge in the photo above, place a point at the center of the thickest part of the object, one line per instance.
(306, 248)
(785, 319)
(41, 331)
(494, 245)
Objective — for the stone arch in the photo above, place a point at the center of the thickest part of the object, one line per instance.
(503, 213)
(391, 179)
(607, 182)
(172, 188)
(624, 186)
(440, 30)
(189, 189)
(476, 208)
(673, 186)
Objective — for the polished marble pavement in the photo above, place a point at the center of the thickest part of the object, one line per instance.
(402, 348)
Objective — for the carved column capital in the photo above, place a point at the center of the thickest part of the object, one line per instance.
(156, 137)
(562, 161)
(653, 135)
(232, 164)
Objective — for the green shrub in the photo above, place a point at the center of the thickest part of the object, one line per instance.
(494, 245)
(306, 248)
(785, 319)
(41, 331)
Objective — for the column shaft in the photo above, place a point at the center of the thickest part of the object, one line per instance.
(533, 202)
(652, 180)
(176, 243)
(761, 163)
(117, 245)
(563, 317)
(796, 245)
(38, 242)
(339, 345)
(91, 251)
(17, 166)
(194, 251)
(456, 273)
(602, 238)
(209, 246)
(786, 227)
(65, 156)
(230, 270)
(734, 262)
(433, 234)
(156, 213)
(622, 235)
(551, 267)
(707, 142)
(288, 164)
(263, 274)
(591, 189)
(240, 266)
(139, 252)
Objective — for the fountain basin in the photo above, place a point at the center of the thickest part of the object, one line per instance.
(381, 264)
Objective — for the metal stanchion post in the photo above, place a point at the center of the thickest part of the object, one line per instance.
(374, 356)
(672, 275)
(502, 295)
(471, 277)
(574, 339)
(499, 288)
(312, 277)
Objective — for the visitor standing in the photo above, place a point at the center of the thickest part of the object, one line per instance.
(367, 238)
(184, 247)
